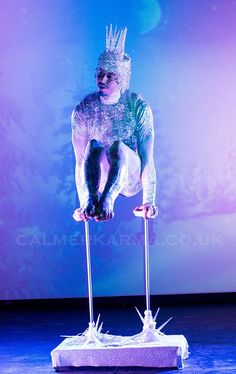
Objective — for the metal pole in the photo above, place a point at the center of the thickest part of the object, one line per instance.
(89, 276)
(147, 277)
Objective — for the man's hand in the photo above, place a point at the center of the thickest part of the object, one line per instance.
(87, 211)
(80, 215)
(146, 211)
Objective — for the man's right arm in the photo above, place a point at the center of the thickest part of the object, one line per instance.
(79, 141)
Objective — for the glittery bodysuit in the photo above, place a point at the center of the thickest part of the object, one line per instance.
(129, 120)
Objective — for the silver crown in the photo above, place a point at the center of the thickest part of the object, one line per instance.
(115, 41)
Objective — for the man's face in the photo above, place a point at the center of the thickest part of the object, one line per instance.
(107, 82)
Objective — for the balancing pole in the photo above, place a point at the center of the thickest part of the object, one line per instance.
(89, 274)
(147, 276)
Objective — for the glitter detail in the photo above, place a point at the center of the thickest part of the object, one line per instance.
(129, 120)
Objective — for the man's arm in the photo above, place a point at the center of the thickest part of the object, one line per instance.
(79, 142)
(148, 208)
(148, 172)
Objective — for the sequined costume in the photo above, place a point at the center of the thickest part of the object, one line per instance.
(129, 121)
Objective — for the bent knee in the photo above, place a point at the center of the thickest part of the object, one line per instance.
(118, 150)
(92, 147)
(92, 144)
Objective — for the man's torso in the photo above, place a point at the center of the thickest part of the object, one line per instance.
(114, 122)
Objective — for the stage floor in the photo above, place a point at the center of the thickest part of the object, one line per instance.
(28, 336)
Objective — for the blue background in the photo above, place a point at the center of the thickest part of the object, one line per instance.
(183, 62)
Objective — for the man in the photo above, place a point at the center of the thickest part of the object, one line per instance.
(112, 136)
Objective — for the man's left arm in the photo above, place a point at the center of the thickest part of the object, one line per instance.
(148, 209)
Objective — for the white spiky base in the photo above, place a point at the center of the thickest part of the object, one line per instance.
(149, 348)
(168, 352)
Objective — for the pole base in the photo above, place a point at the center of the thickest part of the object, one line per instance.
(121, 351)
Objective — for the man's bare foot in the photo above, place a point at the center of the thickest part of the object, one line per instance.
(89, 208)
(105, 210)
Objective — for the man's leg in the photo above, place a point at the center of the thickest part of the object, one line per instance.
(90, 175)
(122, 161)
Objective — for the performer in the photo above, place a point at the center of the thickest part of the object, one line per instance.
(113, 136)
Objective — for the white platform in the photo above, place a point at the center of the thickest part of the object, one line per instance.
(168, 351)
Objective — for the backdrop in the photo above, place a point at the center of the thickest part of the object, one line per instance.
(183, 62)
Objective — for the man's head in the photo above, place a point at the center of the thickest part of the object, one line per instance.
(115, 62)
